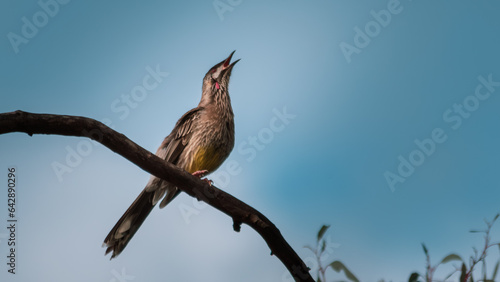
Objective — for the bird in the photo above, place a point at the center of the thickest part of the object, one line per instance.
(199, 143)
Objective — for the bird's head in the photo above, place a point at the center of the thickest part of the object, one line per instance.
(217, 78)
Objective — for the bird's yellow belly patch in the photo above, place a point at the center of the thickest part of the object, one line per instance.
(205, 158)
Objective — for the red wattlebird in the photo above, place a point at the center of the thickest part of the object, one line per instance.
(199, 143)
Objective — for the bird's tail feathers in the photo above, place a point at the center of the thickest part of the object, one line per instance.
(129, 223)
(172, 192)
(134, 216)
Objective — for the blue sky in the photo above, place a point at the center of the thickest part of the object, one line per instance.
(352, 114)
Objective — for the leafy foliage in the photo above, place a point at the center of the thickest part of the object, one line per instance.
(320, 254)
(338, 266)
(466, 267)
(322, 231)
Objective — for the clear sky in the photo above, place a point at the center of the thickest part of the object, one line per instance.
(379, 118)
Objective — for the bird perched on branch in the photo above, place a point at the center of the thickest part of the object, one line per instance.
(199, 143)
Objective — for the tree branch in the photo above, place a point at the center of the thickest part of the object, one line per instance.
(240, 212)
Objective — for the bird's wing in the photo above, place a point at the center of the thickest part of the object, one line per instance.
(177, 140)
(170, 150)
(131, 220)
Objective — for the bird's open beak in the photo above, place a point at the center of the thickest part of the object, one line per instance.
(227, 63)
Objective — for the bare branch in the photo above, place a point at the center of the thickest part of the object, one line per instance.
(240, 212)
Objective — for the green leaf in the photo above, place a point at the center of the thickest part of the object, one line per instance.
(414, 277)
(338, 266)
(464, 273)
(323, 247)
(495, 270)
(322, 231)
(425, 250)
(451, 257)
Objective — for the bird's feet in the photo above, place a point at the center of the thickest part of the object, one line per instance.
(200, 174)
